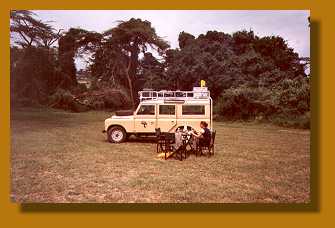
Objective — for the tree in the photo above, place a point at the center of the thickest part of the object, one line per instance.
(31, 31)
(32, 73)
(109, 65)
(226, 61)
(185, 39)
(206, 57)
(33, 59)
(69, 44)
(131, 38)
(151, 73)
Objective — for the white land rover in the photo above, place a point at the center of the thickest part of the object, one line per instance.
(167, 110)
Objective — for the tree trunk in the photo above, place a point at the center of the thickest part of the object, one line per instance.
(131, 70)
(130, 83)
(66, 54)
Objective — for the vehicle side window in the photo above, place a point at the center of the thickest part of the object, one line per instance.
(167, 110)
(193, 110)
(146, 110)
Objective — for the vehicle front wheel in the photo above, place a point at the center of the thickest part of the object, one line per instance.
(116, 135)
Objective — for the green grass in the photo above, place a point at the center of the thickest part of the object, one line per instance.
(63, 157)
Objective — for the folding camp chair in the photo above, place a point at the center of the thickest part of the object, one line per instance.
(207, 147)
(165, 142)
(180, 152)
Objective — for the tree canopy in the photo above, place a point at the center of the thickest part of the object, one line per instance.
(226, 61)
(31, 31)
(69, 45)
(122, 46)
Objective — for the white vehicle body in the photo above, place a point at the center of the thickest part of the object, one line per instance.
(167, 110)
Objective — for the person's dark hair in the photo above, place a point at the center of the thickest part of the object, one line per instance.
(204, 123)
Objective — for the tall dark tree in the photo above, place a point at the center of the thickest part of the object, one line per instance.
(109, 66)
(69, 44)
(152, 73)
(131, 38)
(33, 59)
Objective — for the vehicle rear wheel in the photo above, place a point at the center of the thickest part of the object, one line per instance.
(116, 135)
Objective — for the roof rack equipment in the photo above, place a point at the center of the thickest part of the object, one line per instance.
(196, 93)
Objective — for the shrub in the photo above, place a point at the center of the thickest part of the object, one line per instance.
(32, 71)
(287, 103)
(301, 121)
(244, 103)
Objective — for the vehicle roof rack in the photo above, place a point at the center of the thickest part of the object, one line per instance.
(196, 93)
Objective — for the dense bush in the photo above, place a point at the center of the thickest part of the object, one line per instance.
(244, 103)
(32, 73)
(286, 103)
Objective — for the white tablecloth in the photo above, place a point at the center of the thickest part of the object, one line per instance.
(179, 136)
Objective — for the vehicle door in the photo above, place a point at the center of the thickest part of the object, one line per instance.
(166, 117)
(145, 118)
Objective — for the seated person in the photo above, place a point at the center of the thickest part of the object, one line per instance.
(204, 135)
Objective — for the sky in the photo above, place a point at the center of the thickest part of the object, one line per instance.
(292, 25)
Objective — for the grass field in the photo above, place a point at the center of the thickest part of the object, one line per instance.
(63, 157)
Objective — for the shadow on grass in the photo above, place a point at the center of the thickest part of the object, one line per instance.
(312, 206)
(133, 139)
(142, 140)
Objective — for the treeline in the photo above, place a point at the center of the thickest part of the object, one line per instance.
(250, 77)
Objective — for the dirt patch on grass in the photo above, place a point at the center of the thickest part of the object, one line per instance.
(64, 157)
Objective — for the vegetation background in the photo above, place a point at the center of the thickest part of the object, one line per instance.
(250, 77)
